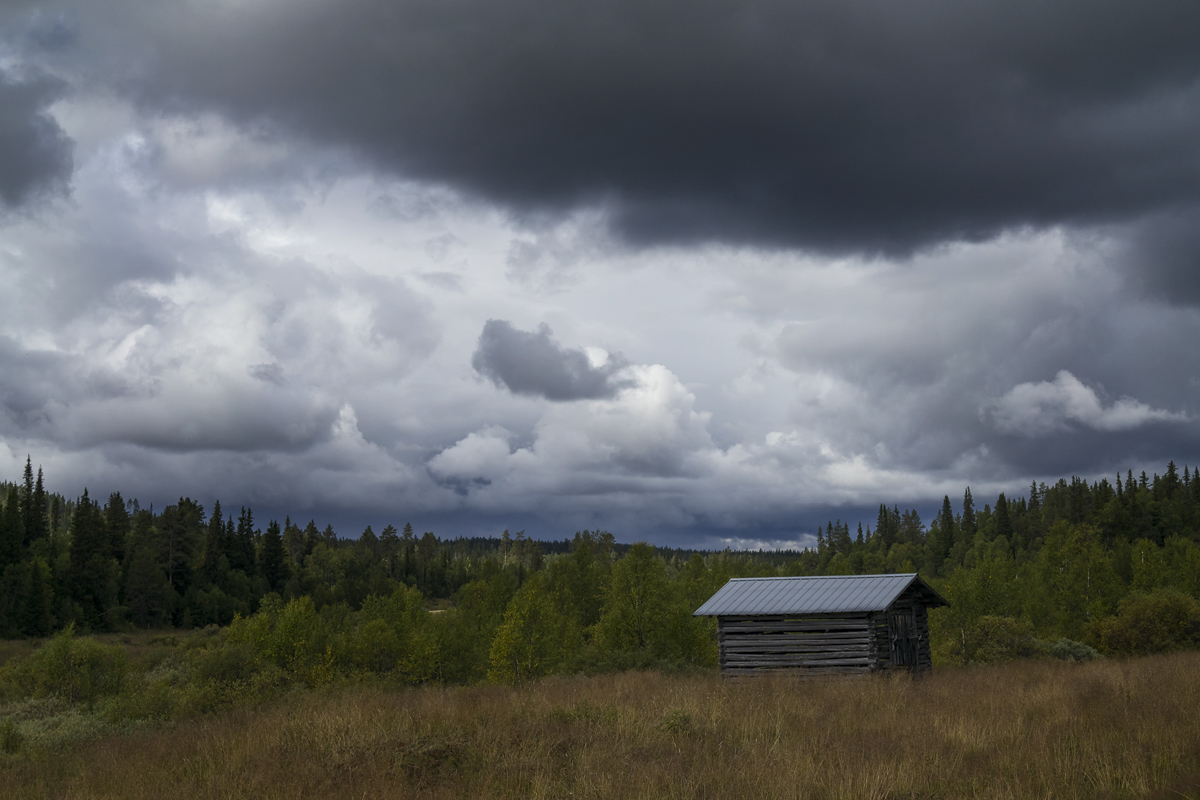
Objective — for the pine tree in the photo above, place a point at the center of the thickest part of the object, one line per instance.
(116, 518)
(969, 524)
(273, 567)
(12, 529)
(181, 533)
(1003, 521)
(884, 530)
(37, 524)
(147, 591)
(241, 550)
(1169, 484)
(93, 575)
(214, 547)
(389, 546)
(945, 538)
(312, 537)
(369, 542)
(912, 530)
(27, 507)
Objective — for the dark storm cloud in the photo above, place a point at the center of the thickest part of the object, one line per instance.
(855, 125)
(35, 154)
(533, 363)
(1163, 250)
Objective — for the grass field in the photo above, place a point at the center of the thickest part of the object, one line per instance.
(1036, 729)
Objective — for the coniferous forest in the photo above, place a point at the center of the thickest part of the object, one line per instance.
(1068, 570)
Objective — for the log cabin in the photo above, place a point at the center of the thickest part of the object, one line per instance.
(819, 624)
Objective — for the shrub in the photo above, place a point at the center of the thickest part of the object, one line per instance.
(10, 737)
(1003, 639)
(1155, 622)
(77, 670)
(1070, 650)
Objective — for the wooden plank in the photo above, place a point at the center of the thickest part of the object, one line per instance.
(788, 625)
(795, 647)
(828, 654)
(799, 658)
(777, 663)
(797, 637)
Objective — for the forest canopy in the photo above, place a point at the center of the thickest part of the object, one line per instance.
(1067, 570)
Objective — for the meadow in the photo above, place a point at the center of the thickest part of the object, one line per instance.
(1110, 728)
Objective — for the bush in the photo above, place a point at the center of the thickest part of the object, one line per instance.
(10, 737)
(1002, 639)
(1070, 650)
(1155, 622)
(77, 670)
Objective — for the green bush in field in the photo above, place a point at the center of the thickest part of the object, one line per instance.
(10, 737)
(1070, 650)
(1155, 622)
(1002, 639)
(77, 670)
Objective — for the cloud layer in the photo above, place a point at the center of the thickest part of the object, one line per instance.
(689, 271)
(860, 126)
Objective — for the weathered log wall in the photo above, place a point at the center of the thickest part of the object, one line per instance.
(835, 643)
(896, 638)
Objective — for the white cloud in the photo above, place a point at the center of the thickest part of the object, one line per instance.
(1034, 409)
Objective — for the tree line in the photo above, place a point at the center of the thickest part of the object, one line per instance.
(1094, 564)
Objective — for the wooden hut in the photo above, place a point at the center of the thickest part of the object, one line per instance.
(843, 623)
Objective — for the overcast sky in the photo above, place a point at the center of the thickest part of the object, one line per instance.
(700, 272)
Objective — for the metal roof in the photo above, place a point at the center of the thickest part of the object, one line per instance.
(821, 594)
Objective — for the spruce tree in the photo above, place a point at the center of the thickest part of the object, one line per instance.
(181, 532)
(241, 552)
(389, 547)
(12, 529)
(945, 539)
(147, 591)
(214, 547)
(116, 517)
(369, 542)
(38, 522)
(969, 524)
(312, 537)
(1003, 521)
(883, 530)
(27, 507)
(273, 567)
(93, 574)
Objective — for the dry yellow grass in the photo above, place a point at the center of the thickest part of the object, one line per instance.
(1023, 730)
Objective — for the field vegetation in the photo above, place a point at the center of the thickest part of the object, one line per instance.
(1112, 728)
(203, 651)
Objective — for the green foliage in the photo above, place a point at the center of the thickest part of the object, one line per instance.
(1070, 650)
(1154, 622)
(11, 738)
(78, 670)
(531, 640)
